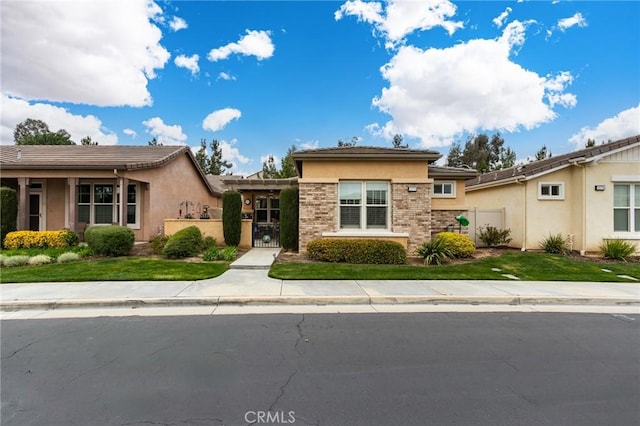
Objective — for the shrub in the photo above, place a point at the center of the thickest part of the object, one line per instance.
(435, 252)
(40, 239)
(555, 244)
(459, 245)
(111, 240)
(214, 253)
(2, 259)
(158, 242)
(229, 253)
(208, 242)
(357, 251)
(231, 217)
(41, 259)
(492, 236)
(19, 260)
(8, 211)
(68, 257)
(617, 249)
(289, 213)
(186, 242)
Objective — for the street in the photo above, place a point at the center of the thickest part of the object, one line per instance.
(323, 369)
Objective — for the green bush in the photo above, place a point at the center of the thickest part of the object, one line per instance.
(110, 240)
(71, 238)
(231, 217)
(289, 213)
(492, 236)
(8, 211)
(208, 242)
(229, 253)
(215, 253)
(459, 245)
(41, 259)
(158, 242)
(555, 244)
(435, 252)
(617, 249)
(358, 251)
(68, 257)
(186, 242)
(19, 260)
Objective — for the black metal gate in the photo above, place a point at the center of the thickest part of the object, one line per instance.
(266, 235)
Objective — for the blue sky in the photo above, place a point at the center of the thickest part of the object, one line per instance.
(261, 76)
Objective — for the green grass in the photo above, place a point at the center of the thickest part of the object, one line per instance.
(51, 252)
(115, 269)
(526, 266)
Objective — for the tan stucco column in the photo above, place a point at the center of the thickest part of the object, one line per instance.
(124, 186)
(73, 204)
(23, 203)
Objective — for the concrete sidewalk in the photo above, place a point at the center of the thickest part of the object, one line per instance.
(254, 287)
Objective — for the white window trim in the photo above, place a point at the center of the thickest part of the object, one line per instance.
(363, 209)
(115, 204)
(551, 197)
(444, 182)
(631, 234)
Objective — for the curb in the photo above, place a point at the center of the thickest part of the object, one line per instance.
(314, 300)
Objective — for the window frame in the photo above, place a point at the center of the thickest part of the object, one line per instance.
(363, 205)
(632, 209)
(550, 196)
(115, 204)
(444, 194)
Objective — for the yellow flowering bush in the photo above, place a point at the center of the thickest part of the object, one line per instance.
(40, 239)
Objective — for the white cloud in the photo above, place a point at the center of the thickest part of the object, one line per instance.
(438, 94)
(178, 24)
(217, 120)
(165, 134)
(499, 20)
(188, 62)
(577, 19)
(130, 132)
(276, 159)
(255, 43)
(308, 144)
(623, 125)
(231, 153)
(400, 17)
(15, 111)
(226, 76)
(78, 51)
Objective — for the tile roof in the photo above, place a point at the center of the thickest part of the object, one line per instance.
(556, 162)
(87, 157)
(452, 172)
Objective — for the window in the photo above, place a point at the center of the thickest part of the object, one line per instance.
(84, 203)
(267, 210)
(626, 208)
(364, 205)
(98, 204)
(131, 204)
(550, 191)
(444, 189)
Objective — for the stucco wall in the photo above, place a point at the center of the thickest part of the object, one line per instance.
(365, 170)
(457, 203)
(209, 228)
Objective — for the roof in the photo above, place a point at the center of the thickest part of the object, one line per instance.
(452, 172)
(535, 168)
(93, 157)
(258, 184)
(366, 153)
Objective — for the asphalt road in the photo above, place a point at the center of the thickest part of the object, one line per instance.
(324, 369)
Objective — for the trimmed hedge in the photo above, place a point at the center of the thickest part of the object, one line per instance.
(459, 245)
(186, 242)
(231, 217)
(8, 211)
(357, 251)
(110, 240)
(289, 213)
(40, 239)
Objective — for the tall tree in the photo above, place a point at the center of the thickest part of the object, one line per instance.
(36, 132)
(482, 154)
(154, 142)
(397, 142)
(353, 142)
(87, 141)
(590, 143)
(212, 164)
(543, 153)
(454, 158)
(287, 166)
(269, 169)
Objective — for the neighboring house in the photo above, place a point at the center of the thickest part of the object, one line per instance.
(587, 196)
(73, 186)
(377, 193)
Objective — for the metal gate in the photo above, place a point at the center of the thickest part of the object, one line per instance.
(266, 235)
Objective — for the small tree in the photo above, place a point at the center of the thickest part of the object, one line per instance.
(8, 211)
(289, 213)
(231, 217)
(397, 142)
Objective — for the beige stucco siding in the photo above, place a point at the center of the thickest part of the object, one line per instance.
(55, 203)
(359, 170)
(456, 203)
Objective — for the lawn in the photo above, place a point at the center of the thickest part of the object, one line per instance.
(115, 269)
(526, 266)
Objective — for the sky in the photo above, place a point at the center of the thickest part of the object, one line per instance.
(261, 76)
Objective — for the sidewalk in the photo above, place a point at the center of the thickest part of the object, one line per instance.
(248, 283)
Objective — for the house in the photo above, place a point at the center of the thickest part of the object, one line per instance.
(587, 196)
(70, 186)
(378, 193)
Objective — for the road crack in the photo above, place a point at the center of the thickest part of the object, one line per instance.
(18, 350)
(300, 335)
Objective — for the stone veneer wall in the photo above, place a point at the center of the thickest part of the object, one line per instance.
(440, 219)
(411, 213)
(318, 209)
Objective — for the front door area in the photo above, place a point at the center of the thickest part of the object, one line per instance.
(35, 211)
(266, 222)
